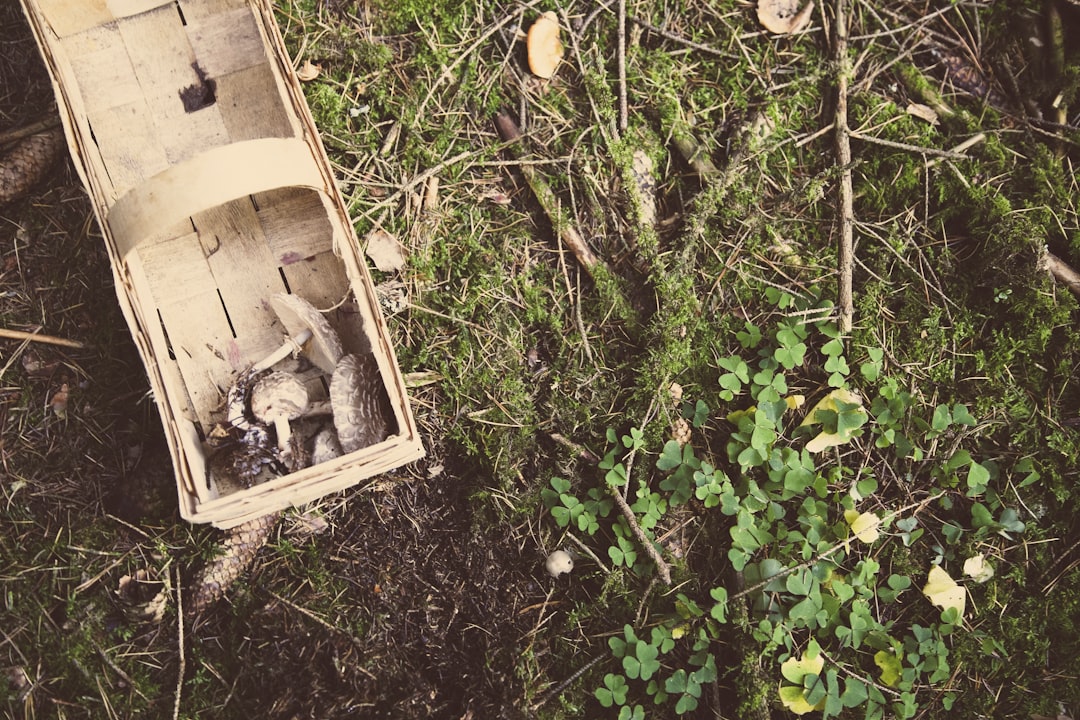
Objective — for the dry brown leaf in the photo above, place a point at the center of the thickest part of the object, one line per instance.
(385, 251)
(544, 46)
(784, 17)
(308, 71)
(923, 112)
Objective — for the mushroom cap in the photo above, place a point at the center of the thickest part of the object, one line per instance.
(278, 394)
(325, 447)
(559, 562)
(783, 17)
(361, 408)
(297, 315)
(545, 49)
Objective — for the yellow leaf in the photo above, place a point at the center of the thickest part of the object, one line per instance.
(793, 699)
(823, 441)
(890, 665)
(735, 415)
(794, 669)
(864, 526)
(829, 403)
(978, 569)
(795, 401)
(943, 591)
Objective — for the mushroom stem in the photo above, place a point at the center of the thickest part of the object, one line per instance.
(291, 345)
(283, 431)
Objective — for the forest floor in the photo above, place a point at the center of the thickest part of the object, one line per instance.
(769, 512)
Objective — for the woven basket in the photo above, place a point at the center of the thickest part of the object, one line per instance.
(213, 191)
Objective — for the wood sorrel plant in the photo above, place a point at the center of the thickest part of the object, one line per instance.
(849, 591)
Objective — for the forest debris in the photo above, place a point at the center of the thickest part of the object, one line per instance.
(923, 112)
(942, 590)
(38, 337)
(508, 131)
(846, 255)
(784, 17)
(308, 71)
(385, 250)
(545, 48)
(1062, 272)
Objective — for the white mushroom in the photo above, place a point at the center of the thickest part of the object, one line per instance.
(292, 345)
(297, 315)
(276, 399)
(559, 562)
(361, 408)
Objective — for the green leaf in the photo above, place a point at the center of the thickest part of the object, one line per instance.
(854, 692)
(719, 610)
(647, 656)
(671, 456)
(890, 665)
(961, 415)
(981, 516)
(677, 682)
(978, 477)
(750, 337)
(942, 418)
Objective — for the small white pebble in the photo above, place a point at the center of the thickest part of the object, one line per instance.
(559, 562)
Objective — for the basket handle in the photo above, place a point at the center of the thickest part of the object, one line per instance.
(207, 180)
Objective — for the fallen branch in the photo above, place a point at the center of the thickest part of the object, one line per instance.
(846, 255)
(662, 568)
(1063, 273)
(38, 337)
(509, 132)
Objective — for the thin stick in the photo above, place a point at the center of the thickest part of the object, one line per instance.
(623, 113)
(180, 644)
(846, 255)
(508, 131)
(910, 148)
(662, 568)
(20, 133)
(38, 337)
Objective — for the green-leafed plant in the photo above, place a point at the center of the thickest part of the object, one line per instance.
(852, 594)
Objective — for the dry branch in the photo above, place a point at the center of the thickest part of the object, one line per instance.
(509, 132)
(38, 337)
(846, 255)
(1063, 273)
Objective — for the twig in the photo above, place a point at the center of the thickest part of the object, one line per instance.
(679, 38)
(508, 131)
(38, 337)
(952, 154)
(554, 692)
(623, 113)
(966, 145)
(180, 644)
(333, 628)
(20, 133)
(662, 568)
(1063, 273)
(846, 255)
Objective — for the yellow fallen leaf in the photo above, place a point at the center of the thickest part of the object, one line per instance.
(825, 440)
(795, 401)
(943, 591)
(794, 669)
(978, 569)
(793, 699)
(863, 526)
(890, 665)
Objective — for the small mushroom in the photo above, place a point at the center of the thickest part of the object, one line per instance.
(544, 46)
(361, 408)
(325, 447)
(276, 399)
(784, 17)
(559, 562)
(297, 314)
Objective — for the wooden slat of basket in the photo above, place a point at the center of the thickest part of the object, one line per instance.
(226, 42)
(199, 9)
(246, 120)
